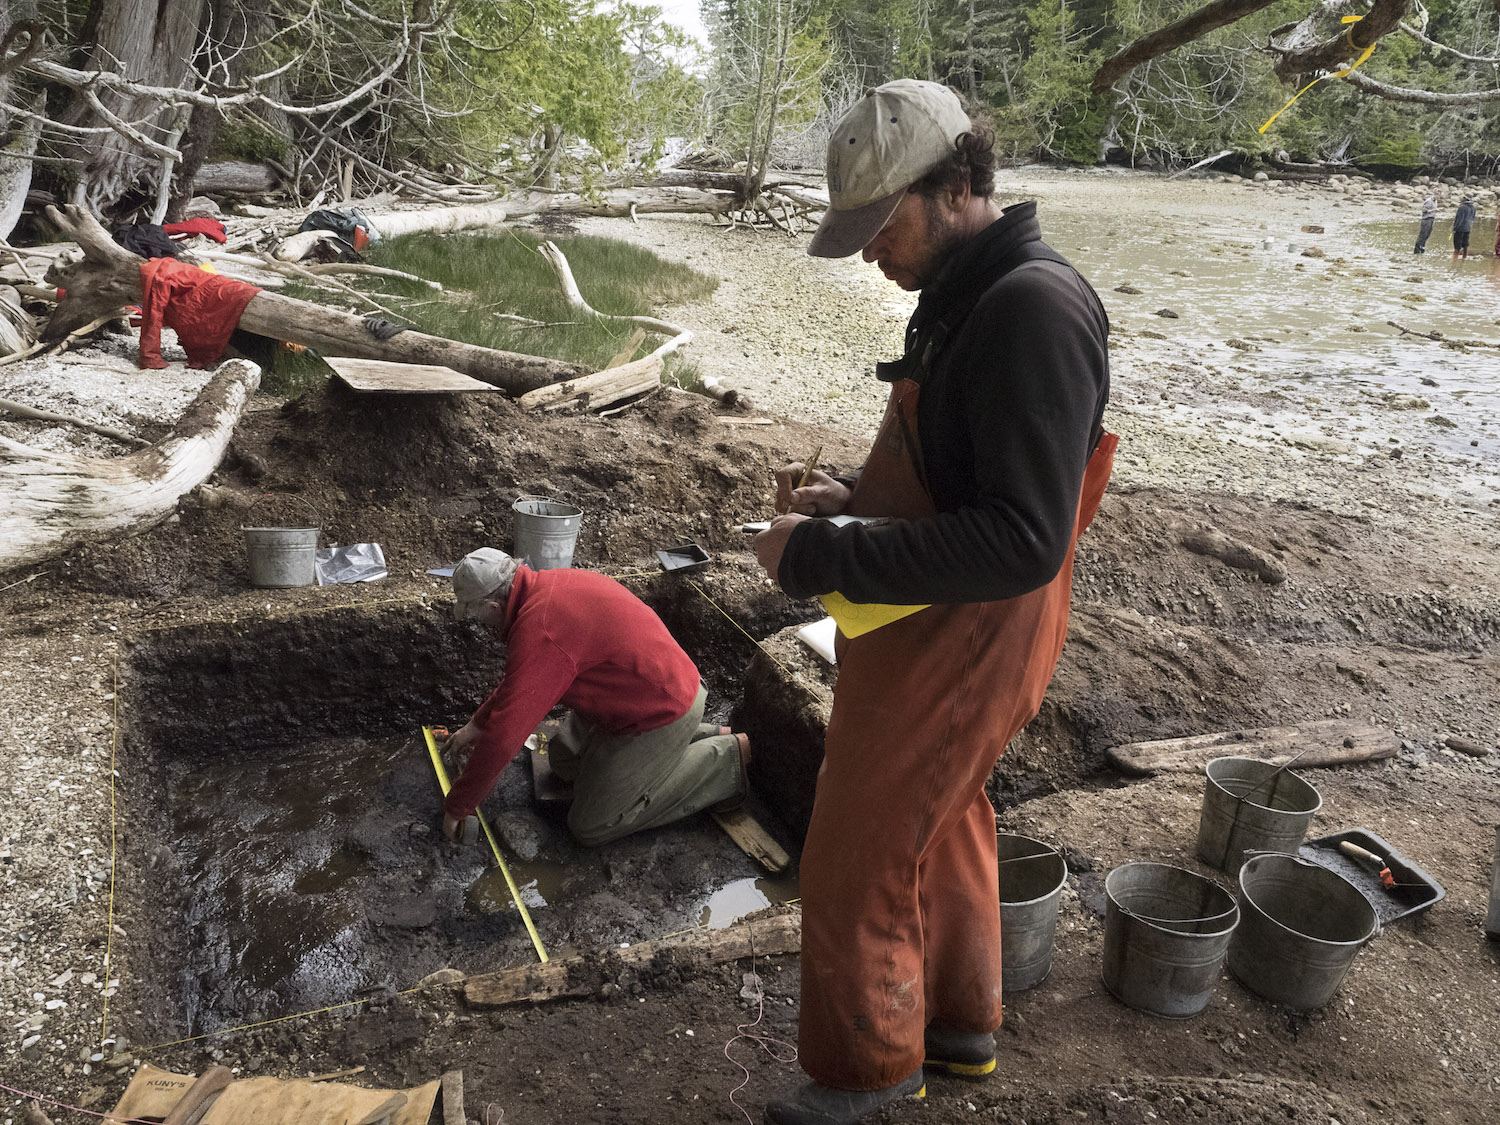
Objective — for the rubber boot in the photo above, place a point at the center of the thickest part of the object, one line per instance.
(963, 1054)
(812, 1104)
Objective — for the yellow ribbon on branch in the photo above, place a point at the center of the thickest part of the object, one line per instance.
(1348, 70)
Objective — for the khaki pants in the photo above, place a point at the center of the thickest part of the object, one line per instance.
(624, 783)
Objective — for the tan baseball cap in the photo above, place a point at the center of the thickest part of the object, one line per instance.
(480, 576)
(889, 139)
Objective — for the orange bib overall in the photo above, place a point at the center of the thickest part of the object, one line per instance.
(899, 881)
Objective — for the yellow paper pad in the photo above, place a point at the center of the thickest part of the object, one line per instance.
(857, 618)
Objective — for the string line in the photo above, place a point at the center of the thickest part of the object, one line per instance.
(109, 932)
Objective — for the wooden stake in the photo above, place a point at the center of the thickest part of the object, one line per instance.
(583, 975)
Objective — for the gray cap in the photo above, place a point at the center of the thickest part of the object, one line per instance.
(889, 139)
(483, 575)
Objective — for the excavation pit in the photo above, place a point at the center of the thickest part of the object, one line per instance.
(281, 844)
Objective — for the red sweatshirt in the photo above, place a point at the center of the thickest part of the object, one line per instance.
(583, 640)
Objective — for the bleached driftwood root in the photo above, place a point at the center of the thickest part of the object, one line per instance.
(613, 384)
(49, 501)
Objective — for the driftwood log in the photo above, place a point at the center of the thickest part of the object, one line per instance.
(586, 974)
(235, 177)
(1323, 742)
(109, 277)
(49, 501)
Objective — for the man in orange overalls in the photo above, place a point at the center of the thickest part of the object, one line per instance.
(990, 462)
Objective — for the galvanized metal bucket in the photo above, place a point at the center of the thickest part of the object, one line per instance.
(1032, 875)
(281, 556)
(545, 532)
(1166, 932)
(1300, 927)
(1252, 806)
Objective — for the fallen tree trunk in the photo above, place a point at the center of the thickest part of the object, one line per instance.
(619, 204)
(439, 220)
(49, 501)
(1323, 742)
(110, 277)
(586, 974)
(234, 177)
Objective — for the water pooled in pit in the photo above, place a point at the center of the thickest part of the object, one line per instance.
(291, 877)
(745, 896)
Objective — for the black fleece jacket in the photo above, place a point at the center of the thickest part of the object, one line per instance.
(1009, 413)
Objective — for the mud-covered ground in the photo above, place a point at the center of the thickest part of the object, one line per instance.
(152, 657)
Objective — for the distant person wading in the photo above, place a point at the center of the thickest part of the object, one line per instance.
(1429, 216)
(1463, 223)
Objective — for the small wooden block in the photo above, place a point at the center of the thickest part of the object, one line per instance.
(384, 376)
(546, 786)
(754, 840)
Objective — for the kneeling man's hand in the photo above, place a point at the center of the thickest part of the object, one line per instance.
(461, 742)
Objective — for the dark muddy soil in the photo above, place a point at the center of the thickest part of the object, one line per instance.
(275, 823)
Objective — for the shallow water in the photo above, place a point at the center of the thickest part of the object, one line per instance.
(1293, 328)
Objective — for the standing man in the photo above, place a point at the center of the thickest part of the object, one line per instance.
(634, 746)
(1463, 224)
(990, 461)
(1429, 216)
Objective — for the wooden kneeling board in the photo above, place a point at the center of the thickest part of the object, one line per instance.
(385, 377)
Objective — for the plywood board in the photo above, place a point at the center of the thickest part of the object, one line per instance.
(384, 377)
(273, 1101)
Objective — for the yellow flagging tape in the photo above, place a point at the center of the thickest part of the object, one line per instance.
(515, 894)
(1348, 70)
(769, 655)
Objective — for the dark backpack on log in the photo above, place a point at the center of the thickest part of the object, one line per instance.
(353, 227)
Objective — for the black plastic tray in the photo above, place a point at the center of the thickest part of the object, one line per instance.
(1416, 890)
(686, 556)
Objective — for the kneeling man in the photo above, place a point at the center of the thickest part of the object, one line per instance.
(634, 745)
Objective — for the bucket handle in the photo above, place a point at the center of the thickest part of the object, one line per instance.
(317, 520)
(1250, 853)
(520, 496)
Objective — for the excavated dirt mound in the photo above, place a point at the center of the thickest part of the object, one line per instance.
(226, 690)
(431, 477)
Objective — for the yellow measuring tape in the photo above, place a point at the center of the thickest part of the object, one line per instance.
(515, 894)
(1348, 70)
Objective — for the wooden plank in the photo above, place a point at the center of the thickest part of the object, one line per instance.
(386, 377)
(754, 840)
(585, 974)
(453, 1098)
(1325, 742)
(601, 389)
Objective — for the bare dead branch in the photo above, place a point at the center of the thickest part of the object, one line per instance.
(1361, 81)
(1197, 24)
(1444, 49)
